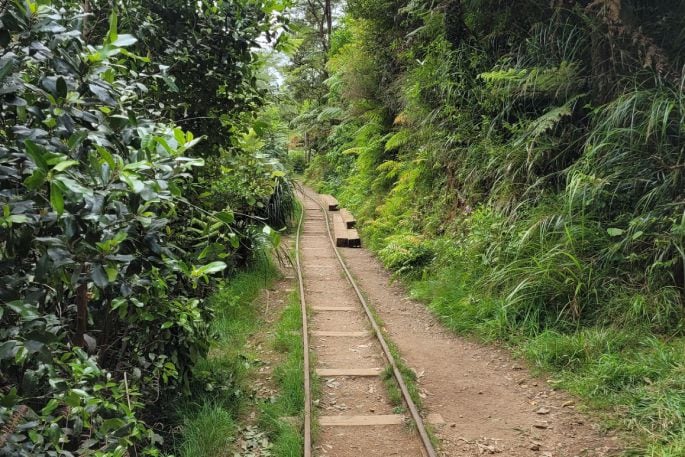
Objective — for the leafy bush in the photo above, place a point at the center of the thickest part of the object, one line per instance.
(297, 160)
(406, 254)
(102, 311)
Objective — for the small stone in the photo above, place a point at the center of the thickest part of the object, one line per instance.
(480, 392)
(535, 446)
(566, 404)
(543, 410)
(454, 424)
(541, 425)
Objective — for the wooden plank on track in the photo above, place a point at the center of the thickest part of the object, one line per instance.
(353, 240)
(362, 421)
(334, 308)
(330, 202)
(329, 372)
(343, 334)
(340, 231)
(348, 218)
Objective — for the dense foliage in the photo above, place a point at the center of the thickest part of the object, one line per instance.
(524, 161)
(108, 235)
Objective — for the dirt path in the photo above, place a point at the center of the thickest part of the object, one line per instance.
(344, 395)
(490, 402)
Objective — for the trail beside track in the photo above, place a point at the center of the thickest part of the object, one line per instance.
(478, 399)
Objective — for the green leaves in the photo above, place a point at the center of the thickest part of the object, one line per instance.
(113, 38)
(112, 33)
(56, 198)
(202, 272)
(93, 217)
(101, 220)
(63, 165)
(37, 154)
(226, 217)
(124, 41)
(614, 232)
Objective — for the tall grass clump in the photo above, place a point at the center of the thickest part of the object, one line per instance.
(208, 432)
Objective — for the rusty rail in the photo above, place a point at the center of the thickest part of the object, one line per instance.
(305, 344)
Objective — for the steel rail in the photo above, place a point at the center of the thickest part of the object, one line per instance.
(305, 344)
(418, 421)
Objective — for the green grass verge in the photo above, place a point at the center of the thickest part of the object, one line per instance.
(209, 415)
(633, 377)
(286, 434)
(283, 418)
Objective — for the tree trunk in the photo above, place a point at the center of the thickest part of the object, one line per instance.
(86, 15)
(329, 22)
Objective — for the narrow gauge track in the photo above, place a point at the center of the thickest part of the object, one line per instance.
(426, 444)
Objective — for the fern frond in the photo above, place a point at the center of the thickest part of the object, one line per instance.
(398, 140)
(330, 113)
(547, 122)
(518, 82)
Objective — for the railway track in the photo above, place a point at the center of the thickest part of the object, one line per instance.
(346, 339)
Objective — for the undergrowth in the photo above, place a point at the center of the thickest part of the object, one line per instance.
(283, 417)
(210, 415)
(634, 375)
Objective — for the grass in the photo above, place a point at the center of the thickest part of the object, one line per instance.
(209, 417)
(211, 420)
(640, 378)
(287, 435)
(209, 430)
